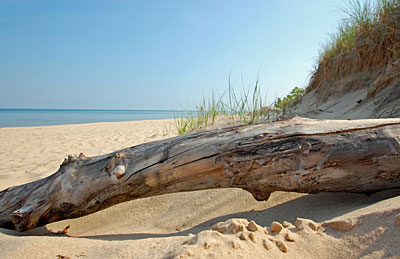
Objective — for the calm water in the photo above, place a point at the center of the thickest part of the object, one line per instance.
(43, 117)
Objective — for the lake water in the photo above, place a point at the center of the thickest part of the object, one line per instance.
(44, 117)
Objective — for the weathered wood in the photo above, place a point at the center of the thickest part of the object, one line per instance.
(300, 155)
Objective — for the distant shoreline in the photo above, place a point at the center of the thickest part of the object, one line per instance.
(99, 123)
(67, 109)
(48, 117)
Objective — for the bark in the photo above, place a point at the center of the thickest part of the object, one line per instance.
(301, 155)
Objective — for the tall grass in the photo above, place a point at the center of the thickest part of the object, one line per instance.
(246, 108)
(369, 38)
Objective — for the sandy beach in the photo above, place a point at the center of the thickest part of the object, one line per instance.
(184, 225)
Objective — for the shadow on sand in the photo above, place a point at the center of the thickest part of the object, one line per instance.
(318, 207)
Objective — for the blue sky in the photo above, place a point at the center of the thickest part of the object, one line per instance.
(155, 54)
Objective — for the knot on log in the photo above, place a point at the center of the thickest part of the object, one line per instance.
(117, 165)
(73, 158)
(258, 195)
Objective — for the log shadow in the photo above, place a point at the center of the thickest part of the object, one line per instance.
(318, 207)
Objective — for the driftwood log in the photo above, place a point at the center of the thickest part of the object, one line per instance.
(301, 155)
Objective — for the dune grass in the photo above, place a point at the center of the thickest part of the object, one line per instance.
(369, 38)
(246, 108)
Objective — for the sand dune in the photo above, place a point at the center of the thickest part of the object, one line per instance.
(201, 224)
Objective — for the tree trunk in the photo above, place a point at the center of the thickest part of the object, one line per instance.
(301, 155)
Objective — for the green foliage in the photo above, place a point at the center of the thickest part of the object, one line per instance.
(283, 103)
(245, 108)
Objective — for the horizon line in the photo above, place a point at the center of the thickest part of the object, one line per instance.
(93, 109)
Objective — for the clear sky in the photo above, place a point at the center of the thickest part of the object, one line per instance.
(155, 54)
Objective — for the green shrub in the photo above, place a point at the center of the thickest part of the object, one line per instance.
(283, 103)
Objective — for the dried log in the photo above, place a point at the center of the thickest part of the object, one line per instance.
(301, 155)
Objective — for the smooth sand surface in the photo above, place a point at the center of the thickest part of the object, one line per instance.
(184, 225)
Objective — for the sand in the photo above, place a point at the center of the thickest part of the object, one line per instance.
(225, 223)
(350, 98)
